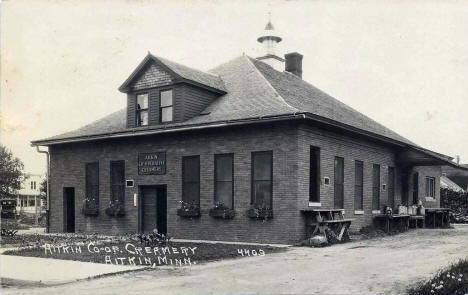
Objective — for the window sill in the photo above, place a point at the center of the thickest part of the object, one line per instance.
(315, 204)
(376, 212)
(358, 212)
(429, 199)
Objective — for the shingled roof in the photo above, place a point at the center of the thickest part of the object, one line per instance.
(181, 71)
(253, 90)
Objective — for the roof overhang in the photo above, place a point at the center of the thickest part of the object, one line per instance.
(407, 154)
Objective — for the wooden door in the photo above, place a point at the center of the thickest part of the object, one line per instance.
(148, 209)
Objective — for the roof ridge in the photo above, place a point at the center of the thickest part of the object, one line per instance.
(268, 83)
(182, 65)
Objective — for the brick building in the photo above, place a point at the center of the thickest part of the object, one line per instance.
(250, 137)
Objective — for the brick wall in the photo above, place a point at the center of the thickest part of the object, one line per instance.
(68, 170)
(423, 172)
(350, 149)
(290, 144)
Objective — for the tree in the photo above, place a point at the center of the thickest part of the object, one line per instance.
(43, 191)
(11, 173)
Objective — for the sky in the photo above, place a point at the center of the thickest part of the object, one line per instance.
(402, 63)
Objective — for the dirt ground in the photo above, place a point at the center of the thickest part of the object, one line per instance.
(381, 266)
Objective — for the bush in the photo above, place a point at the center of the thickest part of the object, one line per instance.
(453, 281)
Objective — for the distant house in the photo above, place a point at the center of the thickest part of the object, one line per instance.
(249, 135)
(29, 195)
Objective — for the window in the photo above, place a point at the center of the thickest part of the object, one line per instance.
(391, 187)
(314, 174)
(142, 109)
(262, 179)
(32, 186)
(358, 185)
(92, 183)
(117, 172)
(224, 179)
(415, 188)
(166, 106)
(430, 187)
(339, 183)
(191, 180)
(376, 187)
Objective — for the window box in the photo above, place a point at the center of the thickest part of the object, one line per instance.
(221, 211)
(260, 213)
(115, 209)
(188, 210)
(90, 210)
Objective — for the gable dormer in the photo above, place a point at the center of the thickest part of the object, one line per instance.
(161, 92)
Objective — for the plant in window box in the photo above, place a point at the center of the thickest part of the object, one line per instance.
(188, 209)
(116, 208)
(260, 212)
(90, 208)
(222, 211)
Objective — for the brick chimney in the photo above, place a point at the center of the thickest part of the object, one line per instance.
(294, 63)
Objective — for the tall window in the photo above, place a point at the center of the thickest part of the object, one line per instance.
(224, 180)
(117, 171)
(314, 181)
(376, 187)
(358, 185)
(430, 187)
(339, 182)
(415, 188)
(191, 180)
(391, 187)
(262, 179)
(142, 109)
(92, 183)
(166, 106)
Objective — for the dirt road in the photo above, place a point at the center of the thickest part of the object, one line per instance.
(381, 266)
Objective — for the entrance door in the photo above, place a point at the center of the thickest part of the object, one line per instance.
(69, 209)
(153, 209)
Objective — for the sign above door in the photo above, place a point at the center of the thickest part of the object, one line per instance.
(152, 163)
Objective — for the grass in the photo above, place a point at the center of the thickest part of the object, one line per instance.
(449, 281)
(124, 251)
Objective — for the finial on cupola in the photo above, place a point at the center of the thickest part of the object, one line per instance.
(269, 38)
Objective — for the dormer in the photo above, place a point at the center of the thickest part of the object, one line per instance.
(161, 92)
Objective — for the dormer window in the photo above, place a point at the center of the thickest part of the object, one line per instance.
(142, 110)
(166, 106)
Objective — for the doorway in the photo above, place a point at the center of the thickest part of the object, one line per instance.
(69, 209)
(153, 209)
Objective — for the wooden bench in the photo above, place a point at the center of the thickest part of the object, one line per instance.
(415, 220)
(402, 219)
(328, 222)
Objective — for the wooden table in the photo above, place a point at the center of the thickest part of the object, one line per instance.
(402, 219)
(439, 217)
(416, 219)
(328, 222)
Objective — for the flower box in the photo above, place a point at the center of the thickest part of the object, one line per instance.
(90, 210)
(188, 209)
(188, 212)
(260, 213)
(223, 213)
(115, 211)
